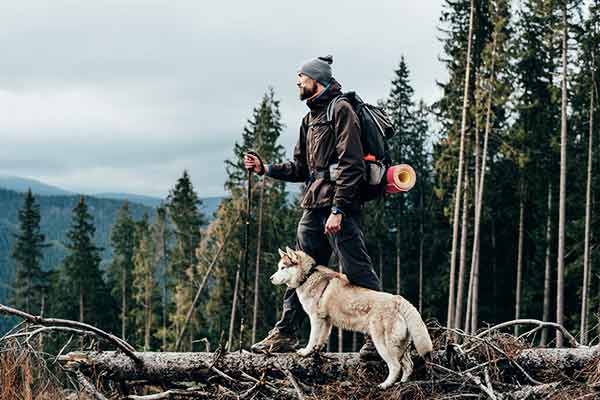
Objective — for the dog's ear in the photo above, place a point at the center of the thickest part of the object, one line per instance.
(281, 253)
(292, 255)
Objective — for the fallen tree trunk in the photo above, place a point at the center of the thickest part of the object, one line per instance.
(541, 360)
(170, 367)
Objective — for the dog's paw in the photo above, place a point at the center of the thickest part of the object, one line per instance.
(304, 352)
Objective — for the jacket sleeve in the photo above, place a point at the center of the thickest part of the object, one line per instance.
(351, 166)
(295, 170)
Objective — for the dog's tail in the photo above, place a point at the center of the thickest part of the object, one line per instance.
(416, 327)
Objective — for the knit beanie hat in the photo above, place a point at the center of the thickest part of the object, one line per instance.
(318, 69)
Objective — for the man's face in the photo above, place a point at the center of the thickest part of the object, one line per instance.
(307, 86)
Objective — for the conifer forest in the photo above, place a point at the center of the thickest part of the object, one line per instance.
(502, 225)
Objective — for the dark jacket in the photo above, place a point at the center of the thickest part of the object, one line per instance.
(318, 147)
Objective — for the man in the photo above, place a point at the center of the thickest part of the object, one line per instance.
(331, 206)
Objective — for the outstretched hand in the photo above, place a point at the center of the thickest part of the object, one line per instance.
(253, 163)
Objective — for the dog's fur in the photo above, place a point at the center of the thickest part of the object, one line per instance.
(330, 299)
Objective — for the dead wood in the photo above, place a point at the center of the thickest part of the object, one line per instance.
(170, 367)
(72, 327)
(572, 341)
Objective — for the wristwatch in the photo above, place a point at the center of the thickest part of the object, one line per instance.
(337, 211)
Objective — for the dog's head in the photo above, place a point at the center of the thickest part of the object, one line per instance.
(292, 268)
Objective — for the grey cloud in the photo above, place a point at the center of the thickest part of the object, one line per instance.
(172, 83)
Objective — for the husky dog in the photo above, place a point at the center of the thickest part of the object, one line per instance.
(330, 299)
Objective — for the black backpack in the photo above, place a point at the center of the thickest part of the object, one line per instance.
(375, 130)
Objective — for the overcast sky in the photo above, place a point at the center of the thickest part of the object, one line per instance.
(123, 95)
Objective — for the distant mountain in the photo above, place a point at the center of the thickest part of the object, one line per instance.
(209, 204)
(135, 198)
(21, 185)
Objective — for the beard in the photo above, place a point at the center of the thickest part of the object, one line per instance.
(308, 91)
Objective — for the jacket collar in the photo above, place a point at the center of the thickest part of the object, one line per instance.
(332, 90)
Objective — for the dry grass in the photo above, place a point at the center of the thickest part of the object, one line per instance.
(24, 376)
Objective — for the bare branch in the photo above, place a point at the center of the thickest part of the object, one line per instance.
(55, 322)
(87, 387)
(561, 328)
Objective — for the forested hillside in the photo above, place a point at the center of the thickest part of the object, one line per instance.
(56, 212)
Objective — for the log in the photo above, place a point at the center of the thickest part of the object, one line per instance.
(173, 367)
(540, 361)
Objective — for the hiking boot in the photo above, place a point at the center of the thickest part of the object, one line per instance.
(368, 352)
(276, 342)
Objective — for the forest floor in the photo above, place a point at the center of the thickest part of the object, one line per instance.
(496, 366)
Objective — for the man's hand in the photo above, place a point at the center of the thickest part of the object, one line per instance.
(253, 163)
(334, 224)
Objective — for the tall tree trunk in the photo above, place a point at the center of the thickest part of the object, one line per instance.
(165, 263)
(458, 190)
(148, 319)
(80, 305)
(463, 254)
(123, 302)
(494, 271)
(28, 291)
(520, 256)
(547, 273)
(421, 248)
(164, 317)
(398, 242)
(560, 289)
(474, 286)
(42, 312)
(234, 304)
(588, 197)
(473, 304)
(258, 253)
(476, 174)
(81, 313)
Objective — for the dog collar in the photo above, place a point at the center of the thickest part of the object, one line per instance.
(308, 274)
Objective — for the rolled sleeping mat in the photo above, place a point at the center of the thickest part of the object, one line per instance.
(400, 178)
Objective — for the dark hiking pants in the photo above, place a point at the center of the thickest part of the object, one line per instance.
(348, 245)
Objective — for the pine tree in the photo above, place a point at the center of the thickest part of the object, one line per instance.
(30, 283)
(161, 237)
(81, 281)
(584, 124)
(531, 143)
(145, 288)
(269, 200)
(399, 106)
(495, 85)
(119, 271)
(183, 205)
(466, 27)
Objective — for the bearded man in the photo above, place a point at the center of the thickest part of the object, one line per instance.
(328, 158)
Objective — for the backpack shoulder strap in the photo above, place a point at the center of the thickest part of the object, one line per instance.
(331, 106)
